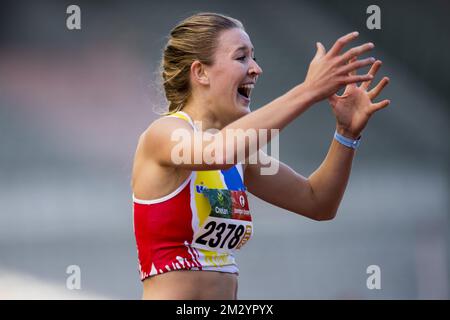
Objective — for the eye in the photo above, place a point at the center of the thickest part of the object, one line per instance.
(241, 58)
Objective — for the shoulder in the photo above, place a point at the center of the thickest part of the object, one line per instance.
(157, 138)
(165, 126)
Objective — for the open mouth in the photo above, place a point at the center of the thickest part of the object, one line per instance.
(245, 90)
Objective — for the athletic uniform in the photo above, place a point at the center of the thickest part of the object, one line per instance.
(198, 226)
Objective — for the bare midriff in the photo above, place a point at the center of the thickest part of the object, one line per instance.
(191, 285)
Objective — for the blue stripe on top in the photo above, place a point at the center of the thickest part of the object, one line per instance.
(233, 179)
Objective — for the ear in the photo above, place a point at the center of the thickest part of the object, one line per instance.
(199, 73)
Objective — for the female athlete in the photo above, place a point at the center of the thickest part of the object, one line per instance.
(191, 215)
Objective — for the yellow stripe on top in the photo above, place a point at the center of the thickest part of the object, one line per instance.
(181, 115)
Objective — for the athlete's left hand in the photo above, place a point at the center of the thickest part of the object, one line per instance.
(355, 106)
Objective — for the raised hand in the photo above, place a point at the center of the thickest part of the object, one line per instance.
(355, 106)
(329, 71)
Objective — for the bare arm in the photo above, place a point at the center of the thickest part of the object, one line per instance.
(316, 197)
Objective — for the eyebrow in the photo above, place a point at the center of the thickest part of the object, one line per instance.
(244, 48)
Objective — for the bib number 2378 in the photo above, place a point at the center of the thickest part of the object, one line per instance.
(223, 234)
(229, 224)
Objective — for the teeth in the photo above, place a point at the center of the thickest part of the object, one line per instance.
(247, 86)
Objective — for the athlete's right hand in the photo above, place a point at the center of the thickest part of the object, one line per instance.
(330, 71)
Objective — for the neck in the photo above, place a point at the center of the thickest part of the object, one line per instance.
(203, 114)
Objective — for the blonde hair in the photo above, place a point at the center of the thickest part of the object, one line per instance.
(194, 38)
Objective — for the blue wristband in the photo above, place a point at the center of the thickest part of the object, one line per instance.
(346, 141)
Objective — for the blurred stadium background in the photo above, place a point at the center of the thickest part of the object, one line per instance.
(73, 104)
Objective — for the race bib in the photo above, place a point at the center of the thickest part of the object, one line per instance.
(229, 224)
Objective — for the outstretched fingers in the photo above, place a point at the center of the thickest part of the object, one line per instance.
(374, 107)
(356, 78)
(379, 105)
(373, 70)
(356, 51)
(378, 88)
(341, 42)
(354, 64)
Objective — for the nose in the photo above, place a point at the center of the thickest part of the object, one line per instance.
(255, 69)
